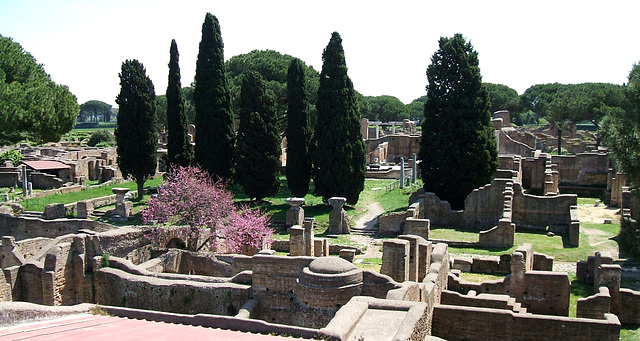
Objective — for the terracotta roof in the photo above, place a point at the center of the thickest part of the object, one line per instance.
(107, 328)
(44, 165)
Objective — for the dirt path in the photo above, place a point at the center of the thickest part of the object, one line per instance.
(597, 214)
(368, 222)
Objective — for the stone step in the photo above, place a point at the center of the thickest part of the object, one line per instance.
(363, 232)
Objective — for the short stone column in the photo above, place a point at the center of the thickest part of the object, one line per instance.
(296, 241)
(85, 209)
(295, 214)
(395, 259)
(123, 208)
(338, 221)
(308, 236)
(413, 256)
(321, 247)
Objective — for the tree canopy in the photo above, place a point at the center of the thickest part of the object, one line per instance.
(273, 67)
(298, 131)
(339, 152)
(621, 130)
(179, 149)
(215, 134)
(458, 148)
(136, 134)
(503, 97)
(258, 150)
(95, 111)
(386, 108)
(31, 104)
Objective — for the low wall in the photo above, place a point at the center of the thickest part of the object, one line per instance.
(586, 169)
(537, 212)
(9, 179)
(117, 288)
(24, 228)
(45, 181)
(509, 146)
(470, 323)
(629, 306)
(541, 292)
(214, 321)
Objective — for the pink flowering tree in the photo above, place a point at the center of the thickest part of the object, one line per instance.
(201, 212)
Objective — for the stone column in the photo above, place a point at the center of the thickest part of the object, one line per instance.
(414, 169)
(85, 209)
(338, 222)
(413, 256)
(401, 172)
(395, 259)
(295, 214)
(296, 241)
(24, 180)
(308, 236)
(321, 247)
(364, 128)
(123, 208)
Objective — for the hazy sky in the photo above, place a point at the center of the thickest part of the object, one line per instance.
(388, 45)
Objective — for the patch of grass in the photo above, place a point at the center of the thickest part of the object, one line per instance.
(587, 201)
(578, 290)
(478, 278)
(373, 264)
(454, 234)
(630, 333)
(38, 204)
(556, 246)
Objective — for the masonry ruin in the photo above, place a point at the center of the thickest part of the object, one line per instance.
(311, 293)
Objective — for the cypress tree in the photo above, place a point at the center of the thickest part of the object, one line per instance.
(458, 148)
(298, 131)
(179, 148)
(339, 153)
(215, 136)
(258, 159)
(136, 135)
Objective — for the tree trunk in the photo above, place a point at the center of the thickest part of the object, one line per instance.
(559, 141)
(140, 183)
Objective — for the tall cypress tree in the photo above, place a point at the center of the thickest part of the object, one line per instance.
(258, 159)
(179, 146)
(298, 131)
(458, 147)
(215, 136)
(136, 135)
(339, 153)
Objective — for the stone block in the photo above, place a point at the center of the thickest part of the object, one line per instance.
(348, 254)
(320, 247)
(84, 209)
(296, 241)
(54, 211)
(462, 264)
(395, 259)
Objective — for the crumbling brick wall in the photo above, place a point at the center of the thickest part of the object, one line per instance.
(471, 323)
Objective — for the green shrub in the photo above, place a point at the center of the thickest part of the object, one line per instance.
(101, 136)
(104, 260)
(12, 155)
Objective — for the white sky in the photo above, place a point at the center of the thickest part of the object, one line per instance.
(388, 45)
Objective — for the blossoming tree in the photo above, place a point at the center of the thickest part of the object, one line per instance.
(201, 212)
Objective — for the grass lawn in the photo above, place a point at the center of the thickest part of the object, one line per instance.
(38, 204)
(593, 237)
(315, 208)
